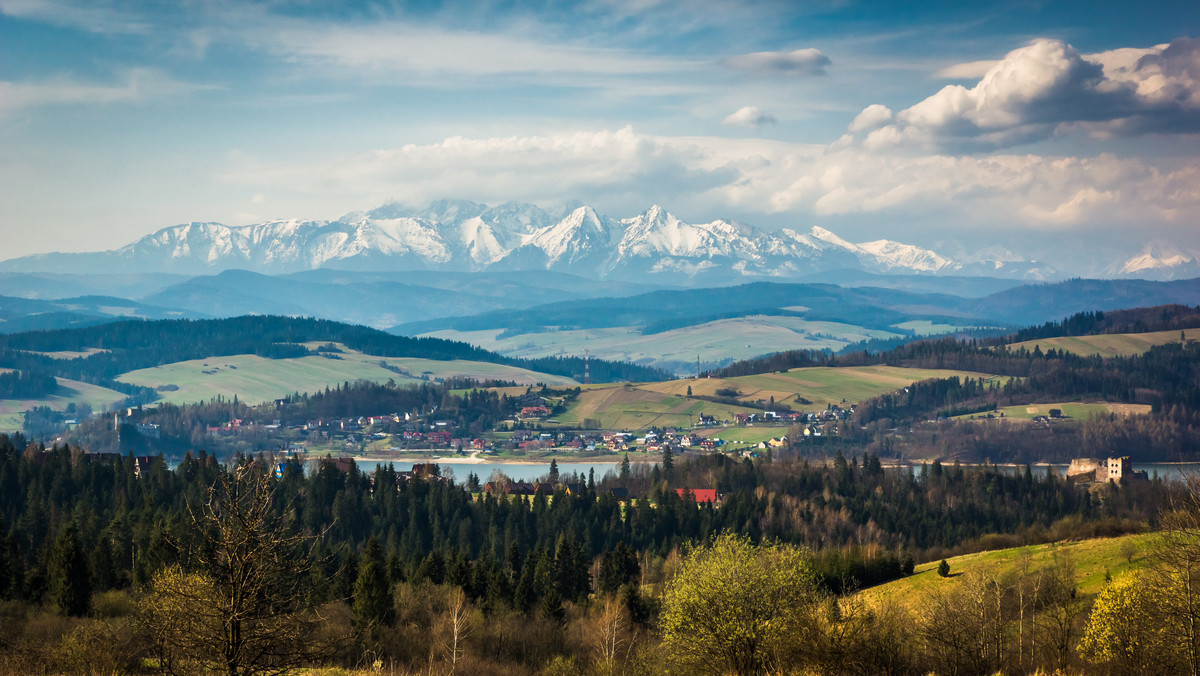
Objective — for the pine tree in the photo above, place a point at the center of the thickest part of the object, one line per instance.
(372, 593)
(67, 575)
(104, 569)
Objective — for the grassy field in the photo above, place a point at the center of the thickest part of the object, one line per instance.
(666, 404)
(68, 354)
(819, 385)
(1071, 409)
(70, 391)
(1093, 559)
(712, 342)
(255, 379)
(635, 408)
(745, 435)
(1114, 345)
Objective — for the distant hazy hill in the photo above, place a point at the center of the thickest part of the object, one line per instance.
(132, 345)
(23, 314)
(864, 306)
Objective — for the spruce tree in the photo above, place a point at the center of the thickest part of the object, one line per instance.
(67, 575)
(943, 568)
(625, 467)
(667, 462)
(372, 593)
(553, 471)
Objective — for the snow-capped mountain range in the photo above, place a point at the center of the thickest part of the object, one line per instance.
(461, 235)
(1158, 260)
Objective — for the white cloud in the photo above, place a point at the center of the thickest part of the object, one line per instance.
(141, 84)
(972, 70)
(872, 117)
(750, 117)
(86, 16)
(620, 170)
(1048, 87)
(799, 62)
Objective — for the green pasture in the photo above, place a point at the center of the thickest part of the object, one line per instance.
(820, 385)
(746, 435)
(254, 379)
(635, 408)
(70, 391)
(1092, 558)
(740, 338)
(924, 327)
(1108, 345)
(1072, 409)
(666, 404)
(70, 354)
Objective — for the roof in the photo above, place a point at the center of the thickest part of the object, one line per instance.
(701, 494)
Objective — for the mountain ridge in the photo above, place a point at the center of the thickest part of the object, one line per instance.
(468, 236)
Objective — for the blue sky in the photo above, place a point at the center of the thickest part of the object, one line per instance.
(1033, 126)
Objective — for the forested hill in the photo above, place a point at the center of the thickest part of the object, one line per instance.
(131, 345)
(1139, 320)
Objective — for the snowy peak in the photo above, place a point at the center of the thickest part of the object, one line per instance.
(1158, 260)
(469, 236)
(907, 256)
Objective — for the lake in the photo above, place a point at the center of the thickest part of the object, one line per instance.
(516, 472)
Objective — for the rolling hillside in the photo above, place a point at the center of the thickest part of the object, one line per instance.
(1092, 559)
(1108, 345)
(666, 404)
(256, 379)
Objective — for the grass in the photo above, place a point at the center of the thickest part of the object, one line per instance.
(1071, 409)
(634, 408)
(745, 435)
(712, 342)
(820, 385)
(70, 354)
(255, 379)
(1108, 345)
(666, 404)
(1094, 559)
(70, 391)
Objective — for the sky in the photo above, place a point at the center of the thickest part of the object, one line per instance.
(1062, 130)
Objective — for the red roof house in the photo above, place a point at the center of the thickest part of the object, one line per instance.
(701, 494)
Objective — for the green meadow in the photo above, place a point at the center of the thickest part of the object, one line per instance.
(1108, 345)
(1094, 560)
(255, 379)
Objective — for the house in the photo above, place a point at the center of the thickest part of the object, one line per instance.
(142, 465)
(620, 493)
(778, 442)
(533, 412)
(708, 495)
(422, 470)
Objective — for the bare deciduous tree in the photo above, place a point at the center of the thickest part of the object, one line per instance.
(238, 605)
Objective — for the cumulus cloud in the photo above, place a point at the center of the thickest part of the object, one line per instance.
(972, 70)
(1048, 87)
(801, 62)
(755, 178)
(750, 117)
